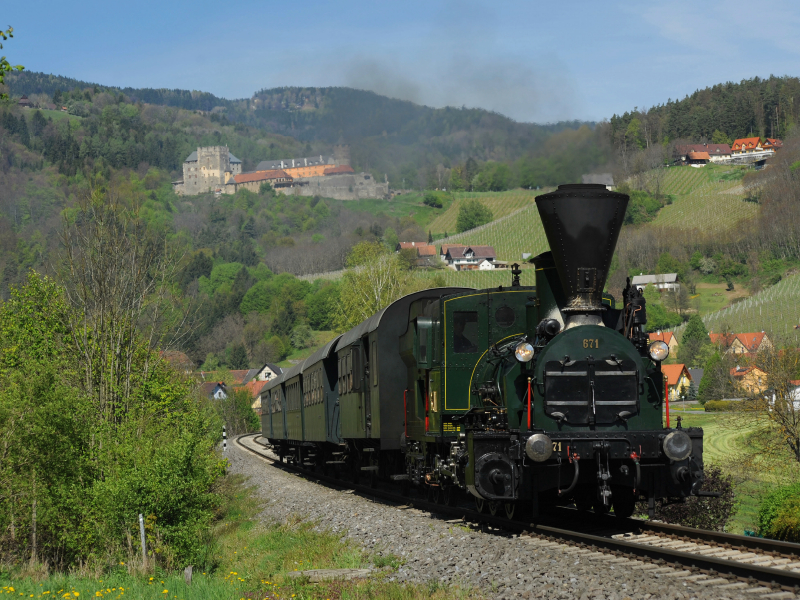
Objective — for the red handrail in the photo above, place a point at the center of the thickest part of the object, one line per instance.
(529, 403)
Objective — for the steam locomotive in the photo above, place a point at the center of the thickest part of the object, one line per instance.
(518, 396)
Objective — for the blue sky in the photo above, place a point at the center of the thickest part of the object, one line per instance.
(531, 60)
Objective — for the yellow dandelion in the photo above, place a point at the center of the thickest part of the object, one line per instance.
(165, 592)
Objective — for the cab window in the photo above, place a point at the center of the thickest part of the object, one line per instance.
(465, 331)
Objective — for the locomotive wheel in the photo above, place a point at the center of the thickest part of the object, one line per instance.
(599, 507)
(480, 505)
(494, 506)
(510, 510)
(624, 501)
(434, 494)
(450, 495)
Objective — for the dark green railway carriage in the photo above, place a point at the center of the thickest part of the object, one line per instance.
(372, 378)
(320, 396)
(293, 391)
(273, 414)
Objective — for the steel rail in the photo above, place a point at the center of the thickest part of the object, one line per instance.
(720, 567)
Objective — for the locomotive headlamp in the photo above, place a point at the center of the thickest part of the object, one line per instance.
(677, 445)
(659, 351)
(539, 447)
(523, 352)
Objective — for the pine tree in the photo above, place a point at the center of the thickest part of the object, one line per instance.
(238, 358)
(695, 343)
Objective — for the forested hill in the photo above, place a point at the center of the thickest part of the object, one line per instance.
(386, 135)
(717, 114)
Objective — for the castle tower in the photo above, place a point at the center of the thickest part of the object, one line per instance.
(341, 154)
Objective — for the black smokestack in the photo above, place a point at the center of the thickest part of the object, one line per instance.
(582, 223)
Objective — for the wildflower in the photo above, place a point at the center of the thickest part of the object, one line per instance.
(165, 592)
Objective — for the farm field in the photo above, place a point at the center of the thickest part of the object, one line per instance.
(500, 203)
(521, 231)
(711, 297)
(406, 205)
(711, 207)
(775, 310)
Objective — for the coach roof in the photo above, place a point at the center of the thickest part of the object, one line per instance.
(320, 354)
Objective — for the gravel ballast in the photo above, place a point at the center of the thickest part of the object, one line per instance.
(495, 564)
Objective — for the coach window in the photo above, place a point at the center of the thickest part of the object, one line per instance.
(465, 331)
(374, 363)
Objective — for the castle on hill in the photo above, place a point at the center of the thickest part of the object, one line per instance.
(215, 169)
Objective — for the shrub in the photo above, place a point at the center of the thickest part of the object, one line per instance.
(779, 514)
(471, 214)
(702, 512)
(717, 405)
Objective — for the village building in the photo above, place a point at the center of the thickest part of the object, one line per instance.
(746, 146)
(24, 102)
(268, 372)
(425, 254)
(717, 153)
(662, 282)
(214, 390)
(772, 144)
(741, 343)
(667, 337)
(253, 181)
(465, 258)
(678, 381)
(750, 380)
(698, 159)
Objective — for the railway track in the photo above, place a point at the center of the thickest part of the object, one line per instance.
(766, 568)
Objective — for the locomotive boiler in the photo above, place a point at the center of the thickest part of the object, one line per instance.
(517, 396)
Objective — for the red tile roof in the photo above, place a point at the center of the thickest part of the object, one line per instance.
(238, 376)
(338, 170)
(665, 336)
(751, 341)
(426, 250)
(699, 156)
(772, 143)
(254, 387)
(261, 176)
(746, 143)
(717, 149)
(673, 373)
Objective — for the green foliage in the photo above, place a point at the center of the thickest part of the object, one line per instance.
(302, 337)
(493, 177)
(779, 514)
(695, 346)
(669, 264)
(86, 471)
(643, 207)
(472, 213)
(321, 306)
(435, 199)
(238, 357)
(5, 66)
(717, 406)
(704, 512)
(709, 390)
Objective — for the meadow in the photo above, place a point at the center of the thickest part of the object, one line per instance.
(253, 560)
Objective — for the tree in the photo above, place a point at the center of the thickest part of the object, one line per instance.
(118, 275)
(5, 66)
(471, 214)
(238, 359)
(302, 337)
(695, 347)
(373, 280)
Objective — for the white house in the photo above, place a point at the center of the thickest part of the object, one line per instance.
(665, 281)
(267, 372)
(468, 257)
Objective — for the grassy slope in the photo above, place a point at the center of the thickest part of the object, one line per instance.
(500, 203)
(775, 310)
(709, 198)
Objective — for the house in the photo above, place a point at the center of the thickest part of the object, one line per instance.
(746, 146)
(178, 360)
(667, 337)
(268, 372)
(24, 102)
(606, 179)
(253, 181)
(697, 377)
(772, 144)
(678, 380)
(665, 281)
(462, 258)
(741, 343)
(716, 152)
(339, 170)
(425, 253)
(749, 379)
(698, 159)
(214, 390)
(253, 389)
